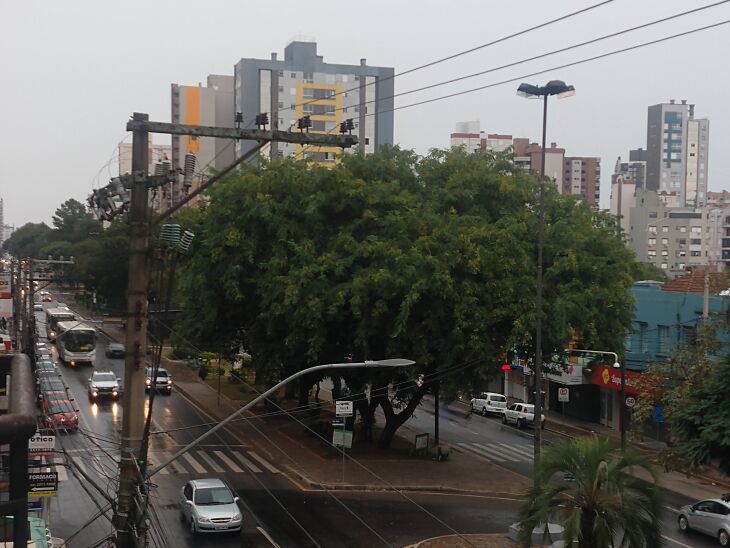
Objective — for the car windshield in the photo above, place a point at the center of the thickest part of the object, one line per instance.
(498, 398)
(60, 406)
(213, 495)
(162, 373)
(116, 346)
(529, 408)
(104, 377)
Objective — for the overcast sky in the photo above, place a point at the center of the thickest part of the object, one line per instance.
(72, 72)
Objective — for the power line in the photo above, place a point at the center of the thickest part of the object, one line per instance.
(464, 52)
(543, 55)
(565, 65)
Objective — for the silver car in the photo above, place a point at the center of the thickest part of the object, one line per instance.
(209, 506)
(711, 517)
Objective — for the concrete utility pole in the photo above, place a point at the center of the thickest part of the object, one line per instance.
(136, 349)
(129, 515)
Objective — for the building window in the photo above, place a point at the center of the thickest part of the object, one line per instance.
(652, 214)
(651, 254)
(665, 253)
(665, 241)
(696, 229)
(695, 241)
(681, 266)
(652, 230)
(652, 241)
(696, 253)
(281, 89)
(293, 74)
(665, 228)
(664, 340)
(683, 229)
(664, 266)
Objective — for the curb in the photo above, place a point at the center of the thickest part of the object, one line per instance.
(406, 488)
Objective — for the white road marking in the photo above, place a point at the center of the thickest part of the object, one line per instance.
(176, 467)
(228, 462)
(670, 539)
(520, 450)
(263, 462)
(267, 536)
(476, 451)
(210, 462)
(194, 463)
(500, 454)
(79, 462)
(61, 471)
(247, 463)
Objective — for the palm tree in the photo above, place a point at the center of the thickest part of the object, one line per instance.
(595, 491)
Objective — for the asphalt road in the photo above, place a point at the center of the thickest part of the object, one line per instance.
(487, 438)
(277, 512)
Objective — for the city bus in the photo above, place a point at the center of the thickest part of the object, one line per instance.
(53, 317)
(76, 343)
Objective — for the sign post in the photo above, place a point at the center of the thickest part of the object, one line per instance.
(344, 409)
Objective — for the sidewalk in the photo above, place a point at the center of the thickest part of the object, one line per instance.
(316, 465)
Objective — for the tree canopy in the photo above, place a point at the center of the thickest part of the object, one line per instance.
(428, 258)
(28, 240)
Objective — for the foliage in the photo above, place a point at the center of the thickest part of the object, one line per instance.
(395, 255)
(647, 271)
(73, 223)
(606, 501)
(692, 388)
(28, 240)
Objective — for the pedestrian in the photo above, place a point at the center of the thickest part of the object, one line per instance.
(202, 372)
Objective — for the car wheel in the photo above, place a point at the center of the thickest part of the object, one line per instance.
(484, 411)
(504, 419)
(723, 538)
(683, 524)
(520, 423)
(193, 529)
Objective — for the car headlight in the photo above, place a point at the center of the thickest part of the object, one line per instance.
(148, 382)
(202, 519)
(237, 517)
(115, 393)
(169, 382)
(94, 393)
(75, 418)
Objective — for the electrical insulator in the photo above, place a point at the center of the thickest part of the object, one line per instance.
(159, 169)
(189, 170)
(262, 120)
(305, 122)
(185, 241)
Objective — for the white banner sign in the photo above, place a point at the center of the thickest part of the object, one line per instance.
(41, 444)
(343, 408)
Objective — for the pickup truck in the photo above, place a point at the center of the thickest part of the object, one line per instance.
(488, 402)
(521, 414)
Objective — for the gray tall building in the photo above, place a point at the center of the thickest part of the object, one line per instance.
(677, 146)
(303, 84)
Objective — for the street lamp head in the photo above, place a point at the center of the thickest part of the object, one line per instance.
(553, 87)
(617, 365)
(391, 362)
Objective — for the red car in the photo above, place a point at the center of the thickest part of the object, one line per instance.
(47, 298)
(58, 412)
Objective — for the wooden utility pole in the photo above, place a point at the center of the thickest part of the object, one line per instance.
(130, 511)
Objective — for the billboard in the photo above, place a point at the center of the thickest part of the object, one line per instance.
(6, 296)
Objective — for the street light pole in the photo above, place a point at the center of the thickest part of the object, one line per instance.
(394, 362)
(554, 87)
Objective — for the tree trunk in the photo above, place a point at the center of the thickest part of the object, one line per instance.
(305, 384)
(367, 408)
(586, 530)
(394, 420)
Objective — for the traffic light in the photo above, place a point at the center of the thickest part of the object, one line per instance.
(347, 126)
(262, 120)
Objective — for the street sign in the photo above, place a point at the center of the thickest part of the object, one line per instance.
(564, 394)
(422, 442)
(630, 401)
(342, 438)
(343, 408)
(35, 505)
(44, 484)
(658, 414)
(39, 445)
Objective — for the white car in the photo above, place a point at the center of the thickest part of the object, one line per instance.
(521, 414)
(488, 402)
(209, 506)
(103, 384)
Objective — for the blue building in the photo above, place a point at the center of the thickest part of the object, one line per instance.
(666, 315)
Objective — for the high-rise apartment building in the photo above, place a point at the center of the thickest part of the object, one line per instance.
(671, 238)
(575, 175)
(677, 147)
(209, 105)
(303, 84)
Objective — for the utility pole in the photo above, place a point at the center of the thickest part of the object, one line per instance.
(126, 513)
(130, 512)
(706, 296)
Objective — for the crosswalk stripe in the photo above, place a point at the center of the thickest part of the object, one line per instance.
(175, 465)
(61, 471)
(498, 452)
(263, 462)
(194, 463)
(78, 461)
(210, 462)
(228, 462)
(247, 463)
(476, 451)
(519, 450)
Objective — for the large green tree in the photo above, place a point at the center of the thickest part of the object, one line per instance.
(592, 488)
(73, 223)
(28, 240)
(391, 254)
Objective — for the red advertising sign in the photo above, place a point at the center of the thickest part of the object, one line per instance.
(610, 378)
